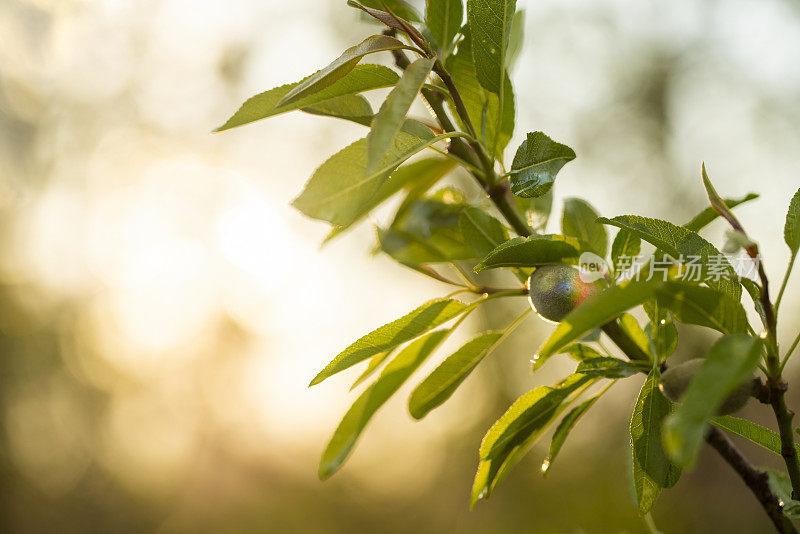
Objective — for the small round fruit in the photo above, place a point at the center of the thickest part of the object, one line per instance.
(676, 380)
(556, 290)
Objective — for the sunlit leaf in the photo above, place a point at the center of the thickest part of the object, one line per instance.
(536, 164)
(730, 362)
(421, 320)
(703, 306)
(564, 427)
(631, 327)
(481, 231)
(528, 413)
(650, 463)
(683, 244)
(263, 105)
(340, 190)
(483, 107)
(517, 38)
(490, 24)
(531, 251)
(391, 116)
(445, 379)
(355, 420)
(625, 245)
(578, 220)
(340, 67)
(374, 363)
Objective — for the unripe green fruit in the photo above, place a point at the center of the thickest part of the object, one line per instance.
(556, 290)
(676, 380)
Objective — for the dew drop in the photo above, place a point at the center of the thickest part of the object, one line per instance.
(781, 503)
(662, 322)
(764, 334)
(545, 465)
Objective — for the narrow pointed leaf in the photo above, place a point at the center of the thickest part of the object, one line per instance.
(760, 435)
(650, 463)
(707, 216)
(791, 231)
(263, 105)
(490, 25)
(536, 164)
(516, 40)
(355, 420)
(528, 413)
(445, 379)
(492, 471)
(631, 326)
(717, 203)
(563, 429)
(340, 67)
(682, 244)
(578, 220)
(444, 18)
(390, 117)
(481, 231)
(483, 107)
(421, 320)
(730, 362)
(531, 251)
(390, 19)
(609, 367)
(372, 366)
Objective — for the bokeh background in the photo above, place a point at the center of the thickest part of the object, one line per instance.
(162, 309)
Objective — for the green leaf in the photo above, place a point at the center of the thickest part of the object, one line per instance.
(609, 367)
(563, 429)
(760, 435)
(340, 190)
(418, 175)
(731, 361)
(398, 7)
(356, 419)
(631, 326)
(443, 18)
(717, 204)
(705, 217)
(529, 413)
(340, 67)
(531, 251)
(372, 366)
(421, 320)
(353, 108)
(391, 116)
(791, 231)
(445, 379)
(581, 351)
(650, 464)
(536, 164)
(517, 38)
(427, 231)
(781, 486)
(481, 231)
(661, 331)
(263, 105)
(490, 25)
(492, 471)
(483, 107)
(625, 245)
(679, 243)
(578, 220)
(703, 306)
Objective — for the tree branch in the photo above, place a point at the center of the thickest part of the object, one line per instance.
(754, 478)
